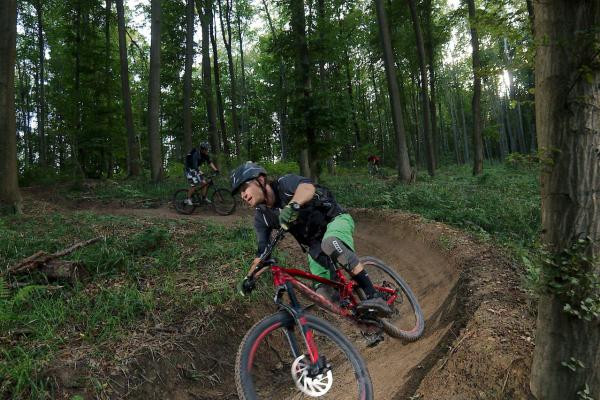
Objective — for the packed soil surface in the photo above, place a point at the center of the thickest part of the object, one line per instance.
(478, 340)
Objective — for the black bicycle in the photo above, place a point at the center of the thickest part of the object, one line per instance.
(220, 199)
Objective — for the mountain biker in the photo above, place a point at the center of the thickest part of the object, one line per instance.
(311, 214)
(193, 160)
(373, 162)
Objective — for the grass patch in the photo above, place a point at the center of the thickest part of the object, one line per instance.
(145, 270)
(503, 203)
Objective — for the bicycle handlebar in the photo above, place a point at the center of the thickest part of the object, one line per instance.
(269, 249)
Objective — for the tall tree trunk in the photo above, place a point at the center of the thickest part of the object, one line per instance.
(569, 137)
(281, 94)
(243, 117)
(205, 11)
(10, 196)
(351, 98)
(429, 49)
(232, 81)
(187, 76)
(303, 88)
(41, 111)
(424, 89)
(78, 152)
(154, 94)
(133, 150)
(476, 104)
(217, 73)
(381, 139)
(404, 169)
(106, 148)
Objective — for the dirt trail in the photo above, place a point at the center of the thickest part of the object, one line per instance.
(447, 272)
(432, 276)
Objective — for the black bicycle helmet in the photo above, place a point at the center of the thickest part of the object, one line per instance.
(205, 146)
(244, 173)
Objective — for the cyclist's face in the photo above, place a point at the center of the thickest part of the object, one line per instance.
(251, 193)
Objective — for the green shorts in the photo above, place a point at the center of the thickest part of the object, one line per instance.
(342, 227)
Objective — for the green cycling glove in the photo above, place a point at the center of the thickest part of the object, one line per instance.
(288, 215)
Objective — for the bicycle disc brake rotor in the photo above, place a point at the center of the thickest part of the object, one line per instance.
(316, 386)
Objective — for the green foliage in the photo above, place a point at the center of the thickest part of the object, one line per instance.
(478, 204)
(143, 269)
(570, 274)
(585, 393)
(519, 160)
(573, 364)
(281, 168)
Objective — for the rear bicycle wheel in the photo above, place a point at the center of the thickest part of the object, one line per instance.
(223, 201)
(179, 199)
(272, 363)
(406, 321)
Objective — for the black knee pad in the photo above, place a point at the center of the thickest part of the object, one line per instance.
(339, 252)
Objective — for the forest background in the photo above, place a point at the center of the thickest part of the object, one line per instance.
(442, 91)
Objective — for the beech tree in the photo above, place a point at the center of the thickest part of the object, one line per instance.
(154, 95)
(9, 185)
(567, 76)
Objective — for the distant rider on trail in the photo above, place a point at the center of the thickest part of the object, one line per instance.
(193, 160)
(311, 214)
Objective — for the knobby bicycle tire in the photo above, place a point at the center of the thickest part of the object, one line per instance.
(407, 327)
(178, 201)
(223, 201)
(248, 368)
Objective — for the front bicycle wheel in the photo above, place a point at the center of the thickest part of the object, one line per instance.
(273, 362)
(179, 201)
(406, 321)
(223, 201)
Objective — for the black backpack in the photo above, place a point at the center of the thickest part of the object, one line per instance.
(189, 161)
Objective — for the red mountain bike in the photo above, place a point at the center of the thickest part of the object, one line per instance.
(317, 357)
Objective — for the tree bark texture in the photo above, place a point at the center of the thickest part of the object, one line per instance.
(187, 77)
(41, 114)
(205, 11)
(476, 103)
(217, 73)
(404, 169)
(232, 81)
(424, 95)
(133, 148)
(303, 87)
(281, 95)
(9, 184)
(154, 94)
(567, 75)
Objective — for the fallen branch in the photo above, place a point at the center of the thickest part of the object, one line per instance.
(48, 264)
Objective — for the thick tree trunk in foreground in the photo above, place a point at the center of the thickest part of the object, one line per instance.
(133, 148)
(567, 104)
(154, 95)
(9, 184)
(187, 76)
(404, 169)
(476, 104)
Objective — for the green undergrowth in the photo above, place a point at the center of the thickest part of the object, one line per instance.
(142, 271)
(503, 203)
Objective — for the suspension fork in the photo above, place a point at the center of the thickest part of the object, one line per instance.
(297, 313)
